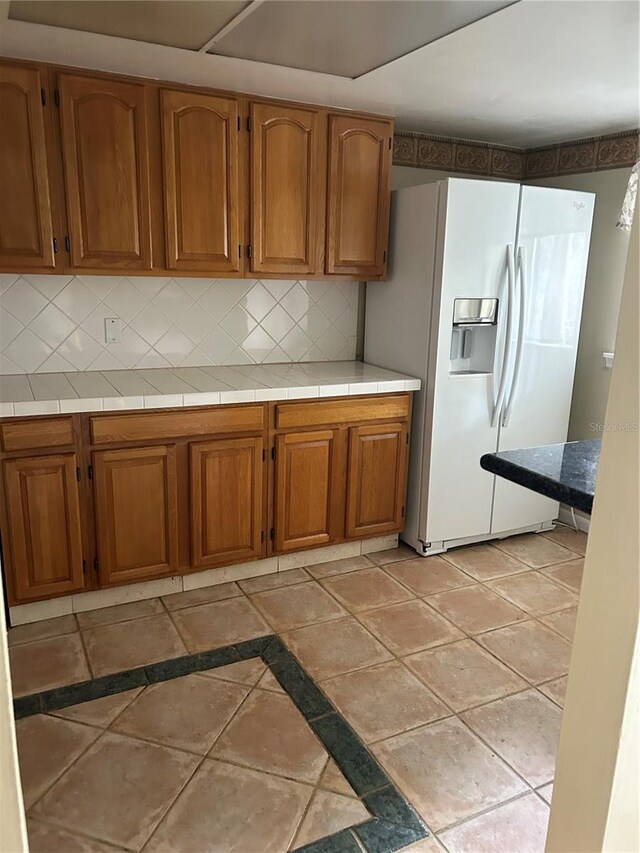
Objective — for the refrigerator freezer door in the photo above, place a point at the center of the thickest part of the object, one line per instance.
(554, 233)
(477, 222)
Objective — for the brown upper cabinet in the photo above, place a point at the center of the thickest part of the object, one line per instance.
(105, 151)
(286, 161)
(127, 175)
(26, 228)
(360, 153)
(201, 155)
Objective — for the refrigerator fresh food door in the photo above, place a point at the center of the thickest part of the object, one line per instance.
(477, 224)
(551, 263)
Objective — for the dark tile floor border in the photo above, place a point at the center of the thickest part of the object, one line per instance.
(394, 823)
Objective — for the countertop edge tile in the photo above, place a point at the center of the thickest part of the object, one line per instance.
(358, 378)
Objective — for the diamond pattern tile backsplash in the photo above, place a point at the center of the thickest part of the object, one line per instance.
(57, 323)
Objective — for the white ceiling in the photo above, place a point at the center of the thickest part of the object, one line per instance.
(534, 73)
(347, 39)
(187, 23)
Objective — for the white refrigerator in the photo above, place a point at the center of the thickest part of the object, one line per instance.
(483, 304)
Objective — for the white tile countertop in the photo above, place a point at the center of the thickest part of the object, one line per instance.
(94, 390)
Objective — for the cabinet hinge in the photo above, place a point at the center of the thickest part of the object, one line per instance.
(406, 438)
(402, 512)
(264, 455)
(78, 474)
(239, 250)
(249, 251)
(67, 244)
(390, 142)
(239, 122)
(272, 534)
(273, 452)
(55, 245)
(90, 472)
(96, 565)
(249, 123)
(43, 97)
(56, 97)
(84, 567)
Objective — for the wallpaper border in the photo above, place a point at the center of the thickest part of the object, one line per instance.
(597, 153)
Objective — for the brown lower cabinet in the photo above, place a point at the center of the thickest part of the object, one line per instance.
(43, 523)
(136, 502)
(227, 496)
(376, 482)
(308, 482)
(132, 497)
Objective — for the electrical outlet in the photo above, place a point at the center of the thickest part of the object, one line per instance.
(112, 330)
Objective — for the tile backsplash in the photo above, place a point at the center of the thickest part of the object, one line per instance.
(56, 323)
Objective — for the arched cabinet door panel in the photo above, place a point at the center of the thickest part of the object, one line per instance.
(358, 195)
(285, 163)
(106, 169)
(201, 147)
(26, 229)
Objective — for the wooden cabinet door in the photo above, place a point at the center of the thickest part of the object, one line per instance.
(307, 489)
(26, 229)
(377, 479)
(227, 501)
(135, 493)
(45, 536)
(105, 155)
(358, 195)
(201, 191)
(285, 154)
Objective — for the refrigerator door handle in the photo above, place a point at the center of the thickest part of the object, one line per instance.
(521, 267)
(506, 356)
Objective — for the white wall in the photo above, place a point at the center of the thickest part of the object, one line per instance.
(412, 176)
(605, 274)
(13, 836)
(596, 797)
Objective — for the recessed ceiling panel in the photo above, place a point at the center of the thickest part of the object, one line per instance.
(178, 23)
(346, 38)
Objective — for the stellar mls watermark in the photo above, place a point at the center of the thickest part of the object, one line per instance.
(622, 426)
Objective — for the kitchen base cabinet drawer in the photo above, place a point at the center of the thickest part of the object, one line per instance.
(342, 411)
(152, 426)
(35, 433)
(136, 503)
(44, 530)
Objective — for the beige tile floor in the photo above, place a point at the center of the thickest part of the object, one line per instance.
(451, 669)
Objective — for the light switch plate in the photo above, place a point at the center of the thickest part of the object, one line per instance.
(112, 330)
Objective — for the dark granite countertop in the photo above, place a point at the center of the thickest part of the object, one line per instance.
(564, 472)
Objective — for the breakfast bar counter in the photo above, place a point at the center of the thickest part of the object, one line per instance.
(565, 472)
